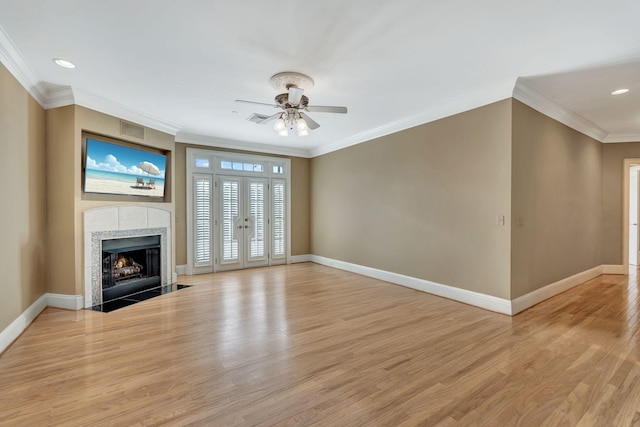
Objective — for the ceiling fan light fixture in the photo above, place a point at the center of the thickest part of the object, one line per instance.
(294, 105)
(279, 125)
(301, 124)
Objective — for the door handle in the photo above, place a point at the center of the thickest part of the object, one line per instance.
(240, 227)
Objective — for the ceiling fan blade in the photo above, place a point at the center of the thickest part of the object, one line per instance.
(295, 95)
(268, 119)
(326, 109)
(310, 122)
(256, 103)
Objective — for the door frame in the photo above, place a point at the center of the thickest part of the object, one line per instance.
(625, 211)
(209, 162)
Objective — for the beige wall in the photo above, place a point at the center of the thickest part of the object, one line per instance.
(556, 201)
(613, 156)
(62, 258)
(300, 206)
(22, 199)
(299, 201)
(65, 216)
(422, 202)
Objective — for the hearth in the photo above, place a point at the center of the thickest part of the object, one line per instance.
(130, 265)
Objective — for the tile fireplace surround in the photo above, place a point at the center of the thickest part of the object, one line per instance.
(114, 222)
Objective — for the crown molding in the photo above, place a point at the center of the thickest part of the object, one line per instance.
(528, 95)
(457, 106)
(611, 139)
(380, 131)
(112, 108)
(15, 62)
(233, 144)
(59, 97)
(17, 65)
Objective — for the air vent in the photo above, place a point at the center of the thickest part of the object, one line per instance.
(255, 117)
(130, 129)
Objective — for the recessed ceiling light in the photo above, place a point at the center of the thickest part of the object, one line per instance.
(64, 63)
(619, 91)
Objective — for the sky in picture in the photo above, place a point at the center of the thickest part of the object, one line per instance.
(107, 157)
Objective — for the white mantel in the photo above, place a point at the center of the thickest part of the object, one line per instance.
(115, 222)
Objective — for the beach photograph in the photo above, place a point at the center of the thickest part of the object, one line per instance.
(120, 170)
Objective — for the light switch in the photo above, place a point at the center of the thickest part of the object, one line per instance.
(500, 220)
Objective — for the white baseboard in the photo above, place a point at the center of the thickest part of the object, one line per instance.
(15, 328)
(181, 270)
(13, 331)
(532, 298)
(613, 269)
(300, 258)
(68, 302)
(488, 302)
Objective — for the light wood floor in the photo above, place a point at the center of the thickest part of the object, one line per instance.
(309, 345)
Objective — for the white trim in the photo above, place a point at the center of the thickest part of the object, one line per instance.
(532, 298)
(488, 302)
(300, 258)
(614, 269)
(112, 108)
(17, 65)
(622, 138)
(59, 97)
(181, 270)
(477, 299)
(234, 144)
(452, 108)
(174, 277)
(528, 95)
(626, 176)
(17, 327)
(67, 302)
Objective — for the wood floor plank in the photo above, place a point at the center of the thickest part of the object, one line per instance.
(304, 345)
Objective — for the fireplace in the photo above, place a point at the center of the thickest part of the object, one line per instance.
(142, 235)
(130, 265)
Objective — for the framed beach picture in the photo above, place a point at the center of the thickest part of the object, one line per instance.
(118, 168)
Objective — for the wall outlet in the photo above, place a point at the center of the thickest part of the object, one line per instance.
(500, 220)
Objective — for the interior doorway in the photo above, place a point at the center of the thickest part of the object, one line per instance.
(634, 187)
(630, 233)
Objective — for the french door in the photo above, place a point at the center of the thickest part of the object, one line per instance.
(237, 211)
(243, 237)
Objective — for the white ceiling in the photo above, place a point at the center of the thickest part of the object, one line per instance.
(179, 66)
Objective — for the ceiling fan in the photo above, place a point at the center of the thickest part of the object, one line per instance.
(294, 105)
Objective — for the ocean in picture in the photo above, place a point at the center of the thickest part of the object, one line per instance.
(121, 177)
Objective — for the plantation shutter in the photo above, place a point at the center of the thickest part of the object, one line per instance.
(279, 215)
(202, 220)
(257, 213)
(230, 211)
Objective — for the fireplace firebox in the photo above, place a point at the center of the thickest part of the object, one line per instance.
(130, 265)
